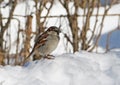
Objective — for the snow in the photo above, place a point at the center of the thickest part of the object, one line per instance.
(80, 68)
(110, 23)
(113, 42)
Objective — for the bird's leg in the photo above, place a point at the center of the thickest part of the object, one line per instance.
(49, 56)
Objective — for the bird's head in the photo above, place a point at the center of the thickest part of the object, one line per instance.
(54, 29)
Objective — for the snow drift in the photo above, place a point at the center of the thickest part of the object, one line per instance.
(81, 68)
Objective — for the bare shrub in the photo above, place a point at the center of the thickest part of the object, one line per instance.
(78, 34)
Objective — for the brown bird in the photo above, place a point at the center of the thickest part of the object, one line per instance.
(46, 43)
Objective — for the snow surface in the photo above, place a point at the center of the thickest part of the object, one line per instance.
(80, 68)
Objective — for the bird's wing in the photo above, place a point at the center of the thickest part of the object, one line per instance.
(40, 41)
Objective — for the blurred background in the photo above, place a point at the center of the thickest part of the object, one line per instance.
(90, 25)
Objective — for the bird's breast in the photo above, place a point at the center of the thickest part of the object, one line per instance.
(50, 45)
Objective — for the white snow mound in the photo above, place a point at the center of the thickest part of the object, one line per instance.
(81, 68)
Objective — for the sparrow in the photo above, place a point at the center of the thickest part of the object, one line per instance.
(46, 42)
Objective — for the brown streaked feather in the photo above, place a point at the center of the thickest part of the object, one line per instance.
(40, 40)
(41, 36)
